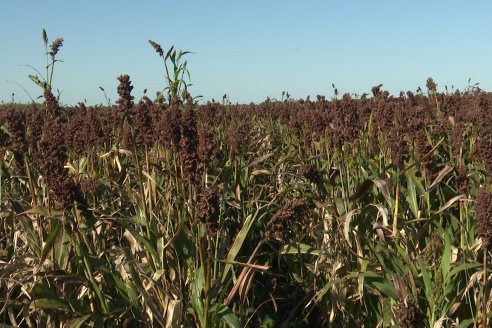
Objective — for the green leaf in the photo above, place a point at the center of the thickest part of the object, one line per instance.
(462, 267)
(43, 289)
(224, 313)
(468, 322)
(370, 274)
(141, 239)
(319, 296)
(35, 79)
(51, 304)
(300, 249)
(178, 55)
(366, 187)
(56, 226)
(446, 256)
(78, 322)
(200, 280)
(43, 211)
(386, 288)
(150, 302)
(360, 279)
(412, 195)
(62, 249)
(31, 235)
(126, 290)
(428, 286)
(258, 160)
(237, 244)
(412, 269)
(361, 190)
(169, 52)
(196, 297)
(378, 256)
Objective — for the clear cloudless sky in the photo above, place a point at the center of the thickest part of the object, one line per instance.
(249, 50)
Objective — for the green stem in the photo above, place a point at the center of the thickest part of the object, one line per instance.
(144, 205)
(208, 278)
(51, 75)
(168, 80)
(84, 247)
(47, 61)
(484, 290)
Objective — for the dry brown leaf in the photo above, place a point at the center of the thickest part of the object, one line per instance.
(439, 177)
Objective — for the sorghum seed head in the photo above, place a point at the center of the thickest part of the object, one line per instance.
(310, 173)
(483, 213)
(124, 91)
(209, 210)
(55, 46)
(408, 315)
(431, 85)
(286, 220)
(157, 47)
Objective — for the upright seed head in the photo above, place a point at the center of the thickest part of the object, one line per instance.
(431, 85)
(483, 213)
(209, 210)
(124, 91)
(45, 38)
(485, 150)
(55, 46)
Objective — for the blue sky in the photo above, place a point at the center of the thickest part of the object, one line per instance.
(249, 50)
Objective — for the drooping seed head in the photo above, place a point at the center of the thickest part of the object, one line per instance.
(157, 47)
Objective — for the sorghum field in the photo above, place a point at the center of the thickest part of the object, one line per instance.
(370, 211)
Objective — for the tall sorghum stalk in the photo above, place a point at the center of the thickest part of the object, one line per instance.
(46, 82)
(177, 85)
